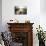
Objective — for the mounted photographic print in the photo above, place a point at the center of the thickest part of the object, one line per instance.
(20, 10)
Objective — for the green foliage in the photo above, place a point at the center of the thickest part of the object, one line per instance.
(40, 33)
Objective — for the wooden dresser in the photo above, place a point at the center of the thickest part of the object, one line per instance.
(22, 33)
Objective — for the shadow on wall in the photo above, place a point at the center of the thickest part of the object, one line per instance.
(0, 15)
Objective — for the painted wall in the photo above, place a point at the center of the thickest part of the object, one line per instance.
(33, 8)
(43, 6)
(33, 14)
(0, 15)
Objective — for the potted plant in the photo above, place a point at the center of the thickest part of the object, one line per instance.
(41, 36)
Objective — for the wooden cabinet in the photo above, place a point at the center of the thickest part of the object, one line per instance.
(22, 33)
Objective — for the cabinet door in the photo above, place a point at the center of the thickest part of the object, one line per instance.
(20, 38)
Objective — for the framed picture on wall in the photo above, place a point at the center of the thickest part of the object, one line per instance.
(20, 10)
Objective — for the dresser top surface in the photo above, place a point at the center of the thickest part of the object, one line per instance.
(19, 23)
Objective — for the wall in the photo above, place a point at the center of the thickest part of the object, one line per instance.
(0, 15)
(43, 6)
(8, 10)
(43, 14)
(34, 14)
